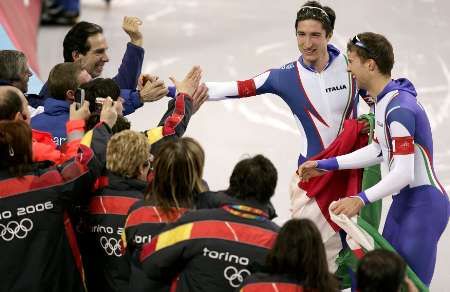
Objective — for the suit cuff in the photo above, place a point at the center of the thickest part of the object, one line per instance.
(363, 197)
(328, 164)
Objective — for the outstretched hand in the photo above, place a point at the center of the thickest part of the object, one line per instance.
(153, 90)
(308, 169)
(131, 26)
(200, 96)
(190, 82)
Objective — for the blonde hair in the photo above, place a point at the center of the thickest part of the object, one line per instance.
(126, 152)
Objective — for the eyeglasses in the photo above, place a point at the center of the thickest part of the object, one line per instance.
(312, 11)
(357, 42)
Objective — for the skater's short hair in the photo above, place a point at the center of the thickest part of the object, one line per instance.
(314, 10)
(369, 45)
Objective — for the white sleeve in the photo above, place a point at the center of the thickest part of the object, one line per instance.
(223, 90)
(364, 157)
(220, 90)
(401, 172)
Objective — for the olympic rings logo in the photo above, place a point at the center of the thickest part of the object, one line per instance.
(234, 276)
(16, 229)
(111, 246)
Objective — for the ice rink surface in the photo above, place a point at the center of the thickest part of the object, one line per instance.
(234, 40)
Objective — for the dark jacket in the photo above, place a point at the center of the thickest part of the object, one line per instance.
(38, 241)
(209, 250)
(107, 269)
(144, 221)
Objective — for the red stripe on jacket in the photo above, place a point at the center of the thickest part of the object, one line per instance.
(152, 214)
(70, 233)
(271, 287)
(111, 205)
(176, 117)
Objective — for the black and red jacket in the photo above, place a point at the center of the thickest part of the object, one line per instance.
(38, 244)
(261, 282)
(107, 268)
(209, 250)
(144, 221)
(217, 199)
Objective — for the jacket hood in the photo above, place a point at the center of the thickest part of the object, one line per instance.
(401, 84)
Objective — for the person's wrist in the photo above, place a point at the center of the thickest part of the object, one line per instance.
(363, 197)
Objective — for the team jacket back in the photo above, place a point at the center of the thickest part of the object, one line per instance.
(107, 268)
(209, 250)
(37, 241)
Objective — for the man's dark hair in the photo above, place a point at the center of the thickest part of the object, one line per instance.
(103, 87)
(369, 45)
(12, 64)
(253, 178)
(10, 104)
(100, 87)
(380, 270)
(314, 10)
(63, 77)
(76, 39)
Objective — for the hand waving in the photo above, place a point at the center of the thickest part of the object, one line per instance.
(131, 26)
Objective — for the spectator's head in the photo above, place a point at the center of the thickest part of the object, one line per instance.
(381, 270)
(178, 174)
(103, 87)
(128, 155)
(85, 42)
(314, 28)
(15, 147)
(13, 104)
(253, 178)
(369, 54)
(14, 69)
(100, 87)
(65, 78)
(299, 252)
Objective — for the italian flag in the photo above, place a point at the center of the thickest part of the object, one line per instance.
(362, 238)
